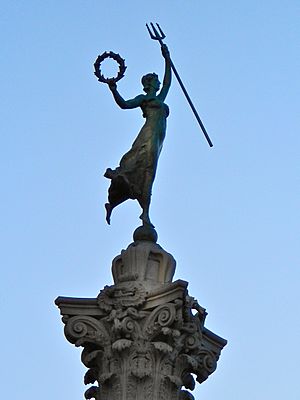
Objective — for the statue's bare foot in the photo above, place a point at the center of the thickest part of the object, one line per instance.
(108, 209)
(109, 173)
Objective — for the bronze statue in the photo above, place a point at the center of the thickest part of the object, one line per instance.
(133, 178)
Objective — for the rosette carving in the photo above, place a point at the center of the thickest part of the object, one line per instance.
(192, 342)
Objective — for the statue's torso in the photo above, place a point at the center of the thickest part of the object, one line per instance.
(154, 108)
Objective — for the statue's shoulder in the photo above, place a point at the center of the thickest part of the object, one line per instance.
(141, 97)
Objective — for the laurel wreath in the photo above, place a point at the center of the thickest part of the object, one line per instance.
(114, 56)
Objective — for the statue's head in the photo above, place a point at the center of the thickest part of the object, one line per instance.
(150, 80)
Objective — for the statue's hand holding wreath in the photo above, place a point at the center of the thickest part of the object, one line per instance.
(112, 85)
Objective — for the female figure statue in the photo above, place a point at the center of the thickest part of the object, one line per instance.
(133, 178)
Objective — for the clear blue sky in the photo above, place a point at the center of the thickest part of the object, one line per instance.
(229, 215)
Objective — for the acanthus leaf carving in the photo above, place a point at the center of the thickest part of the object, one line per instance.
(106, 376)
(163, 347)
(92, 393)
(175, 380)
(90, 376)
(185, 395)
(188, 381)
(121, 344)
(92, 357)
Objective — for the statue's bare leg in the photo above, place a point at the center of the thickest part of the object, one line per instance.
(108, 209)
(145, 200)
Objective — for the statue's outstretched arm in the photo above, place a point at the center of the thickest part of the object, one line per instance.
(168, 76)
(125, 104)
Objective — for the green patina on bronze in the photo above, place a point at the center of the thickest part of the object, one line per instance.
(133, 178)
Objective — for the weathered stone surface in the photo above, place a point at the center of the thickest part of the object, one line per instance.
(144, 336)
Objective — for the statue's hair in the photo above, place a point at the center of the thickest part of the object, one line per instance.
(146, 80)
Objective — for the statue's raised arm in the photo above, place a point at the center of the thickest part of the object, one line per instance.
(167, 78)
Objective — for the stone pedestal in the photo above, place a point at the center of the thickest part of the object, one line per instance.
(144, 336)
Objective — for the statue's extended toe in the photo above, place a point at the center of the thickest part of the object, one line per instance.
(108, 209)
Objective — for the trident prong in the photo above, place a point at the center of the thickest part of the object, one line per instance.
(150, 33)
(161, 32)
(155, 35)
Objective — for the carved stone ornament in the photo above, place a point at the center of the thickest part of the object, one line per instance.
(146, 262)
(126, 294)
(143, 337)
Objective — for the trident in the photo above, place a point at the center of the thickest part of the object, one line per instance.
(160, 36)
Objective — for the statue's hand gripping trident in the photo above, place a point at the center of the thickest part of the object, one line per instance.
(159, 35)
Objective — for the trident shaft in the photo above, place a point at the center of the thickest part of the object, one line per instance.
(159, 35)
